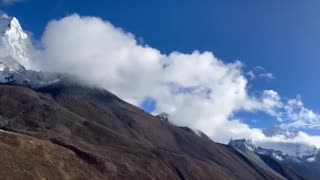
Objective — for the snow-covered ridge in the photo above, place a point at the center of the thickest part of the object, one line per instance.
(8, 64)
(294, 152)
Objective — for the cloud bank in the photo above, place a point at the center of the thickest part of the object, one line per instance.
(197, 90)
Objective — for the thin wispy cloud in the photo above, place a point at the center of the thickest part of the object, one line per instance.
(298, 116)
(259, 72)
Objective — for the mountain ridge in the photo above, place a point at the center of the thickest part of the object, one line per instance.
(119, 140)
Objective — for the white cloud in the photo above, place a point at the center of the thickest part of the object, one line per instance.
(298, 116)
(197, 90)
(259, 72)
(270, 102)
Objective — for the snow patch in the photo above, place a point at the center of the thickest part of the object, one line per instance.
(311, 159)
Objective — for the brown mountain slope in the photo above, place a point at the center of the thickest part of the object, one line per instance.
(88, 133)
(25, 157)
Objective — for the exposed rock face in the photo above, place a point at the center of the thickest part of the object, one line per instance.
(163, 117)
(69, 131)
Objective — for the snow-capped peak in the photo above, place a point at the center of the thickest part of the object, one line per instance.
(15, 47)
(14, 41)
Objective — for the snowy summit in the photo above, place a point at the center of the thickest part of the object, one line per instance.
(14, 41)
(15, 48)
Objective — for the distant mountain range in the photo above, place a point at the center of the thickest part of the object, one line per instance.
(304, 163)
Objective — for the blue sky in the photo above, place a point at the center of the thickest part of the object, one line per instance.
(283, 37)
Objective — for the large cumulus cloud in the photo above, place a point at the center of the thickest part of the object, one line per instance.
(197, 89)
